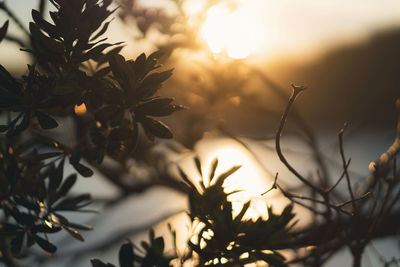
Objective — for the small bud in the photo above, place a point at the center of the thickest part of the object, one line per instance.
(297, 88)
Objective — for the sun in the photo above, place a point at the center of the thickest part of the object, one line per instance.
(232, 30)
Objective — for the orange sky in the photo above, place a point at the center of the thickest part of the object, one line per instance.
(284, 27)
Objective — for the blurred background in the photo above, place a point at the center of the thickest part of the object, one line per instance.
(234, 61)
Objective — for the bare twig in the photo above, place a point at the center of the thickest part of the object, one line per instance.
(312, 140)
(346, 173)
(341, 177)
(366, 195)
(296, 91)
(274, 185)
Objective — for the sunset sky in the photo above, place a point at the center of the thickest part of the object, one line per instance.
(281, 27)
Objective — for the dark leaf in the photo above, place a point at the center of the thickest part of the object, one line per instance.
(101, 32)
(158, 246)
(66, 89)
(44, 244)
(80, 226)
(17, 242)
(185, 178)
(221, 178)
(43, 24)
(95, 52)
(272, 259)
(48, 155)
(67, 185)
(74, 234)
(46, 42)
(117, 65)
(245, 207)
(56, 176)
(158, 107)
(126, 255)
(43, 228)
(213, 168)
(4, 128)
(155, 127)
(45, 121)
(198, 165)
(83, 170)
(3, 30)
(72, 203)
(23, 125)
(99, 263)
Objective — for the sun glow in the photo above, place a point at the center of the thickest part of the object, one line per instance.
(249, 179)
(232, 30)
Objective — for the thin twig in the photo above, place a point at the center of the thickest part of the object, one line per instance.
(341, 177)
(312, 140)
(296, 91)
(346, 173)
(274, 185)
(354, 200)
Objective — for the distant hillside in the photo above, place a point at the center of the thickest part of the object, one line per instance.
(356, 83)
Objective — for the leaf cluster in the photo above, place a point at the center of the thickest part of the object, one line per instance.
(227, 240)
(151, 254)
(33, 195)
(73, 65)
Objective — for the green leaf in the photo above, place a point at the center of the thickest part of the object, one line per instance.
(45, 121)
(155, 127)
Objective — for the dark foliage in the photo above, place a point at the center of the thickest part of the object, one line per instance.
(73, 66)
(118, 97)
(151, 254)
